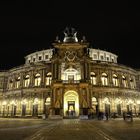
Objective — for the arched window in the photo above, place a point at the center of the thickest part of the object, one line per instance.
(17, 85)
(130, 103)
(35, 107)
(104, 79)
(115, 80)
(94, 101)
(37, 79)
(24, 104)
(106, 101)
(124, 82)
(70, 74)
(94, 105)
(93, 78)
(48, 101)
(27, 81)
(48, 78)
(132, 83)
(10, 84)
(118, 102)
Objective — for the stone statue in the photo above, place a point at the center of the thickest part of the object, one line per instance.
(70, 35)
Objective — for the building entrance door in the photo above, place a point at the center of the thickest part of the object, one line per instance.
(71, 108)
(71, 104)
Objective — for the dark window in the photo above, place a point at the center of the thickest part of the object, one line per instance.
(46, 56)
(33, 59)
(39, 57)
(102, 57)
(95, 56)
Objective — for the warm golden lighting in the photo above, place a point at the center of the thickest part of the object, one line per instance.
(106, 101)
(13, 103)
(129, 102)
(24, 102)
(71, 96)
(4, 103)
(118, 101)
(70, 74)
(138, 102)
(35, 101)
(48, 101)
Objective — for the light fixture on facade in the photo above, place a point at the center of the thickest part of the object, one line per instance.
(48, 101)
(13, 103)
(106, 101)
(24, 102)
(4, 103)
(35, 101)
(118, 101)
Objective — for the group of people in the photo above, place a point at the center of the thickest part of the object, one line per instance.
(106, 115)
(102, 116)
(128, 115)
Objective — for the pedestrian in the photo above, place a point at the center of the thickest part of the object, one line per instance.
(106, 114)
(124, 115)
(131, 115)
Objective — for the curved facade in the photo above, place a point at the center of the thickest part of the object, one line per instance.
(70, 79)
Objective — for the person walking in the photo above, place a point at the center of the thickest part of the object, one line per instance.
(124, 115)
(106, 114)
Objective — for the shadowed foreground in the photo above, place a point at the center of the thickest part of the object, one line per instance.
(69, 129)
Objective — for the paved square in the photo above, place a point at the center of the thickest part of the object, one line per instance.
(69, 129)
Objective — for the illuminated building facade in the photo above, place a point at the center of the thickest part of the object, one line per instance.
(70, 79)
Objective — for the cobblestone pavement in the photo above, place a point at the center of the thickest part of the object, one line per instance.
(69, 129)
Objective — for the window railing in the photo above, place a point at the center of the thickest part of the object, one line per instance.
(70, 81)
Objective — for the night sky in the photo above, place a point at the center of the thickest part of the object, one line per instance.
(33, 26)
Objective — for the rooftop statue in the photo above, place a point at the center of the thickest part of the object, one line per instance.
(70, 35)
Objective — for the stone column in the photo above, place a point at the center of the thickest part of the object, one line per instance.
(31, 79)
(82, 71)
(85, 68)
(42, 78)
(21, 80)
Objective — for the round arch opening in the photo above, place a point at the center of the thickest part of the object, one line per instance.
(71, 103)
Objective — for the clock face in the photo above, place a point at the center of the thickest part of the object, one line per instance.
(70, 55)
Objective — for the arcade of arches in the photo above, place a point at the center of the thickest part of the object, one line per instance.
(69, 80)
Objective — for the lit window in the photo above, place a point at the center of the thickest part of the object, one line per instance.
(37, 79)
(94, 101)
(115, 80)
(17, 84)
(10, 83)
(48, 79)
(27, 80)
(71, 75)
(93, 78)
(124, 82)
(48, 101)
(104, 79)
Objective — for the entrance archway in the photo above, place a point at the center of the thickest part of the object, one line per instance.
(71, 104)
